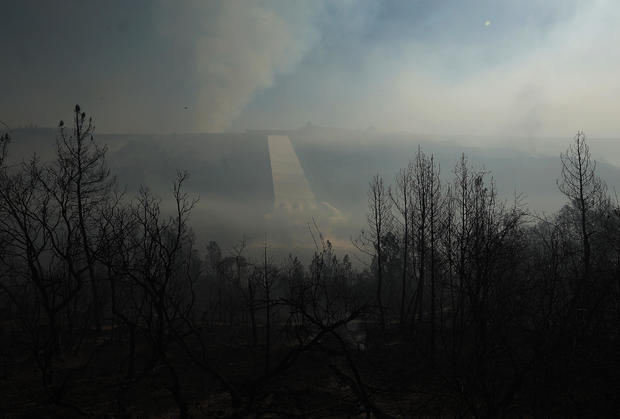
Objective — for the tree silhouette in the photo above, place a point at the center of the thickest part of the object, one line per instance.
(585, 192)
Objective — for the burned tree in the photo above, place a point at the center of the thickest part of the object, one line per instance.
(380, 222)
(80, 184)
(401, 199)
(584, 190)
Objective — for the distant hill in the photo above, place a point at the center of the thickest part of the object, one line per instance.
(340, 163)
(231, 172)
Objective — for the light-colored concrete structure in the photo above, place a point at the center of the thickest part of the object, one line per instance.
(290, 186)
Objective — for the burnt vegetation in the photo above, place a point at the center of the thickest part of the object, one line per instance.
(470, 306)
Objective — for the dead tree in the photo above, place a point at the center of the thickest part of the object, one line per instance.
(38, 277)
(159, 264)
(380, 222)
(436, 202)
(51, 211)
(401, 199)
(585, 192)
(80, 183)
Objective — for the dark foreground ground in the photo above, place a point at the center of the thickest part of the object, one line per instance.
(391, 371)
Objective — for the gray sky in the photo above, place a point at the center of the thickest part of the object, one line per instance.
(517, 67)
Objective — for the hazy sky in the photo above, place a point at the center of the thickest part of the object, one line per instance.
(519, 67)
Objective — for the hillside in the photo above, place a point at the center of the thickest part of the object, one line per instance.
(231, 173)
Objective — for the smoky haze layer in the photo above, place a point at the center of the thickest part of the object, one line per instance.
(232, 175)
(525, 68)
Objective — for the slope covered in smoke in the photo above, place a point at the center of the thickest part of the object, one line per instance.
(231, 173)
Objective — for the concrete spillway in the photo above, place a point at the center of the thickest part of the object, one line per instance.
(290, 187)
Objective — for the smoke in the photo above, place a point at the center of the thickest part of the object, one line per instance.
(242, 48)
(563, 82)
(540, 68)
(528, 75)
